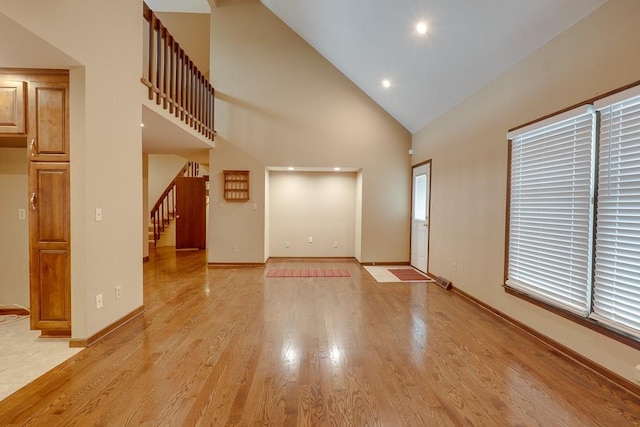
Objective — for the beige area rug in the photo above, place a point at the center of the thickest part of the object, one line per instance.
(382, 274)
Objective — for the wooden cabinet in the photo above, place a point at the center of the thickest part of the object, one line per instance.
(236, 185)
(49, 234)
(48, 135)
(34, 106)
(50, 205)
(12, 107)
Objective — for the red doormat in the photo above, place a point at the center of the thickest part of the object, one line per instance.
(408, 274)
(307, 272)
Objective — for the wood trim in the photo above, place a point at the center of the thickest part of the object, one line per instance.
(264, 264)
(420, 164)
(234, 264)
(145, 259)
(55, 333)
(35, 74)
(507, 220)
(586, 322)
(579, 104)
(316, 259)
(80, 343)
(15, 311)
(382, 263)
(561, 348)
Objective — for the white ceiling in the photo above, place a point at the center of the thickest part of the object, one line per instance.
(469, 43)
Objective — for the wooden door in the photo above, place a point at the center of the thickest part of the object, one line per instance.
(48, 121)
(12, 107)
(191, 222)
(50, 261)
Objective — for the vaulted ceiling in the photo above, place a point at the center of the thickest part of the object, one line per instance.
(467, 43)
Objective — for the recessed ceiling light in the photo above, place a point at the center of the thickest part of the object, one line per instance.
(336, 169)
(421, 28)
(291, 168)
(386, 83)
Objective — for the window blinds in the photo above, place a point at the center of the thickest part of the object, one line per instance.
(616, 299)
(550, 206)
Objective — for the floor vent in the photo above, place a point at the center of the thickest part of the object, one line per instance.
(445, 283)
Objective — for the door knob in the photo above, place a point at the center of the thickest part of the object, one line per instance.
(177, 216)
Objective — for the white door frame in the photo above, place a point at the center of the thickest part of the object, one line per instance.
(420, 227)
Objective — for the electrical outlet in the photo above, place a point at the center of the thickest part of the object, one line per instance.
(310, 239)
(99, 301)
(455, 266)
(234, 249)
(335, 244)
(638, 373)
(22, 213)
(118, 292)
(287, 244)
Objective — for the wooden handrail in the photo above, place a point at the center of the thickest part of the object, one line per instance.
(175, 82)
(166, 204)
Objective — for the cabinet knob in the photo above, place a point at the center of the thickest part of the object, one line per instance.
(32, 147)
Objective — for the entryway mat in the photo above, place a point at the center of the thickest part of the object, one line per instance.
(383, 274)
(307, 272)
(408, 274)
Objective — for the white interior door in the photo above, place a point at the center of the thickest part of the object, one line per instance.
(420, 217)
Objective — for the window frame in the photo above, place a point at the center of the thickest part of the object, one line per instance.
(602, 328)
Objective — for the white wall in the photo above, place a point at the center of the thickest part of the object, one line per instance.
(106, 150)
(279, 103)
(14, 232)
(191, 31)
(320, 205)
(469, 171)
(163, 168)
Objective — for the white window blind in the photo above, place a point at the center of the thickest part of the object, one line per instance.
(616, 299)
(550, 208)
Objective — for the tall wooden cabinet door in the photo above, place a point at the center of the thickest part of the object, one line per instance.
(12, 107)
(48, 135)
(50, 260)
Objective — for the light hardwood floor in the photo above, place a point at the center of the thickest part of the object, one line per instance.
(227, 346)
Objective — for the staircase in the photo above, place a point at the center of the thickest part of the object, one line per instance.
(163, 211)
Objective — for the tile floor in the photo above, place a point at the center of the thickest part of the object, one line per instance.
(24, 356)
